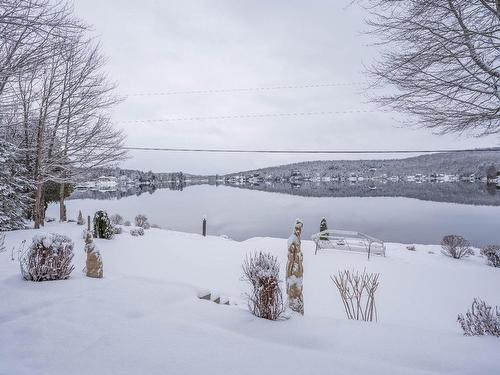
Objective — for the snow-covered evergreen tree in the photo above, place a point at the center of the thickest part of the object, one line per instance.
(81, 220)
(14, 189)
(322, 227)
(102, 226)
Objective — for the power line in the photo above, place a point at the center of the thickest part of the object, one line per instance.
(246, 89)
(249, 115)
(285, 151)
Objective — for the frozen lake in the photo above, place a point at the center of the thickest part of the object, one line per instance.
(243, 213)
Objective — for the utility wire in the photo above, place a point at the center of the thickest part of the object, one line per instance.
(277, 151)
(249, 115)
(246, 89)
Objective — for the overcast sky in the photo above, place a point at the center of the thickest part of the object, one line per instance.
(158, 46)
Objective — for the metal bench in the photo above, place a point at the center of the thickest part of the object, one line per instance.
(348, 241)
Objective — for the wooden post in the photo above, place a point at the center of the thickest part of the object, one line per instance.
(204, 227)
(88, 223)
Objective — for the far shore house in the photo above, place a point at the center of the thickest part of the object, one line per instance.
(106, 182)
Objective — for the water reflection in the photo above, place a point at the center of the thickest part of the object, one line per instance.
(453, 192)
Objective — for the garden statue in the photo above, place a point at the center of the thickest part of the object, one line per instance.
(94, 261)
(295, 270)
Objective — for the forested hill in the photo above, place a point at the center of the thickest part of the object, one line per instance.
(457, 163)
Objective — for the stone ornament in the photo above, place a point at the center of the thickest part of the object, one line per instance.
(295, 270)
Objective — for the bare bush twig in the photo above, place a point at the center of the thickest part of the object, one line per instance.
(357, 292)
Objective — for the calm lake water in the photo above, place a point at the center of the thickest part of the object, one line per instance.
(243, 213)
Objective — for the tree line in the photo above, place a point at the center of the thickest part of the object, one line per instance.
(55, 104)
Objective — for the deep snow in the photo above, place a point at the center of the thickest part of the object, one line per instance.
(144, 317)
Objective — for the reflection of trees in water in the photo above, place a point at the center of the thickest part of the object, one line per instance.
(125, 191)
(457, 192)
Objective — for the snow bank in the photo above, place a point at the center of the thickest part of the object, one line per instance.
(145, 315)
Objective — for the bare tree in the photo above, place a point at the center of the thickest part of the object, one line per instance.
(443, 58)
(59, 97)
(26, 29)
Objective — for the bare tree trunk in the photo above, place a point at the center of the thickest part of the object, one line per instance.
(38, 206)
(38, 175)
(62, 206)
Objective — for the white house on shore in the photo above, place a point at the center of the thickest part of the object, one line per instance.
(106, 182)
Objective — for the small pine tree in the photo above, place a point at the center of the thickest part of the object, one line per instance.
(81, 220)
(102, 226)
(322, 227)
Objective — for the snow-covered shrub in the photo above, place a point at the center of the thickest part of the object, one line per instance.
(142, 221)
(127, 223)
(358, 293)
(411, 248)
(480, 320)
(261, 271)
(81, 220)
(322, 227)
(492, 253)
(456, 246)
(156, 226)
(117, 230)
(137, 232)
(48, 258)
(116, 219)
(102, 226)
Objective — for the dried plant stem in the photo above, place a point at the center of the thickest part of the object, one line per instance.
(357, 292)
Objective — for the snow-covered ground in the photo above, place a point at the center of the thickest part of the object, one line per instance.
(144, 317)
